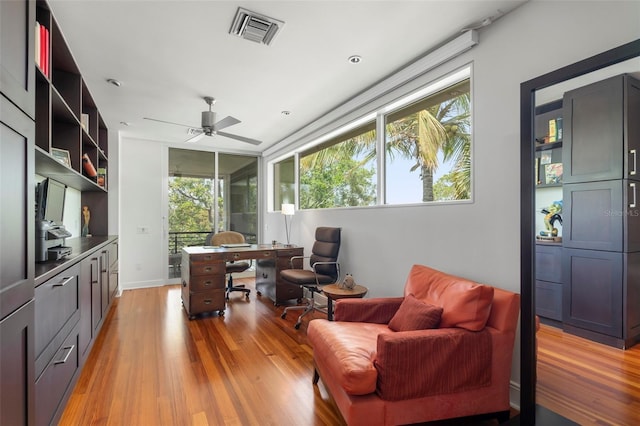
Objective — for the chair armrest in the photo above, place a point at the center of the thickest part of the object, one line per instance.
(300, 258)
(377, 310)
(419, 363)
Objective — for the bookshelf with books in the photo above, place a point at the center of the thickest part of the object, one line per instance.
(67, 119)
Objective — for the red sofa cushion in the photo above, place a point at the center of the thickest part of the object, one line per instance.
(466, 304)
(349, 349)
(413, 314)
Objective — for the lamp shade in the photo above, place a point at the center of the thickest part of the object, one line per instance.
(288, 209)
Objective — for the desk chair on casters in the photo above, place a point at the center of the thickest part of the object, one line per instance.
(325, 269)
(230, 237)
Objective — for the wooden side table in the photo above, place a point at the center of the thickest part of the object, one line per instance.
(333, 292)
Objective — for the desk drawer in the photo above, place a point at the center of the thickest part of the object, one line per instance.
(207, 268)
(56, 302)
(206, 302)
(206, 283)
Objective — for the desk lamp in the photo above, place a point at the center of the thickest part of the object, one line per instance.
(288, 210)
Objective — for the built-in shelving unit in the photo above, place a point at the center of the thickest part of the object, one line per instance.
(70, 132)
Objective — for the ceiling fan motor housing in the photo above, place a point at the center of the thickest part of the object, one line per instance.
(208, 119)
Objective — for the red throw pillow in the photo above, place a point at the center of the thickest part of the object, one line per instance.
(413, 314)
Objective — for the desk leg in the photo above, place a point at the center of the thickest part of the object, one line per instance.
(329, 308)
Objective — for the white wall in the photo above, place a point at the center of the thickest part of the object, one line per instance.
(478, 240)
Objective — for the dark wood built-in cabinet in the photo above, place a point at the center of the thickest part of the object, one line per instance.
(17, 240)
(50, 312)
(549, 280)
(601, 268)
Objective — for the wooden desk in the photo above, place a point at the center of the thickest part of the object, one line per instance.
(333, 292)
(204, 269)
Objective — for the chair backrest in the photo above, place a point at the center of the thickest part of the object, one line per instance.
(325, 249)
(226, 237)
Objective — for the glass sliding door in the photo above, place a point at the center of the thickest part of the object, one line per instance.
(203, 198)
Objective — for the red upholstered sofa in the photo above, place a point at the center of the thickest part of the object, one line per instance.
(442, 351)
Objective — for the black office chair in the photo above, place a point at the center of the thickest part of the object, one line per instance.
(231, 237)
(325, 269)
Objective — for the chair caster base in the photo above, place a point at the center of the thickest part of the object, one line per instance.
(284, 315)
(297, 326)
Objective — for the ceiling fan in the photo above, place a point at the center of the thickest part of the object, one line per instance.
(209, 126)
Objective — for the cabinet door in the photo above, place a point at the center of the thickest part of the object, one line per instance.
(593, 132)
(17, 68)
(17, 196)
(632, 129)
(104, 280)
(593, 215)
(85, 332)
(17, 367)
(593, 290)
(96, 292)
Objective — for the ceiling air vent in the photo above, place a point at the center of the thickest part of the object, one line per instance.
(255, 27)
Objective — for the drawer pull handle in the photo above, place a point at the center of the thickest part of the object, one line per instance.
(208, 258)
(207, 269)
(207, 283)
(633, 188)
(632, 172)
(266, 254)
(207, 301)
(69, 349)
(236, 256)
(63, 281)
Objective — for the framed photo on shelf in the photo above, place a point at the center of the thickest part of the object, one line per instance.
(62, 155)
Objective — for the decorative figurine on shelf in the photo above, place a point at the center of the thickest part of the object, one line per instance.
(86, 217)
(552, 214)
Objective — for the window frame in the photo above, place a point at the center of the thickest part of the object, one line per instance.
(380, 113)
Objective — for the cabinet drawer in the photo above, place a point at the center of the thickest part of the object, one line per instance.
(56, 378)
(56, 303)
(206, 302)
(207, 268)
(549, 263)
(289, 253)
(205, 258)
(549, 300)
(206, 283)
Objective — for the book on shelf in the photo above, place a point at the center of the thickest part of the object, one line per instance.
(102, 177)
(42, 49)
(84, 121)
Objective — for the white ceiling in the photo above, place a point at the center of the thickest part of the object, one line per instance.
(169, 54)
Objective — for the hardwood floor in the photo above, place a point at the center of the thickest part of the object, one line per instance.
(589, 383)
(151, 366)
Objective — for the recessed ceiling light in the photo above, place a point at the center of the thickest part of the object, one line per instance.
(285, 112)
(114, 82)
(124, 123)
(355, 59)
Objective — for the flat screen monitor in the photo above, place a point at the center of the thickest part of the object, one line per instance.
(50, 199)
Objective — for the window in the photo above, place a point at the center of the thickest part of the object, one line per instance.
(421, 142)
(428, 148)
(284, 182)
(341, 171)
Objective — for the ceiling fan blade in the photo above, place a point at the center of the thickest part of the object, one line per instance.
(240, 138)
(196, 137)
(226, 122)
(167, 122)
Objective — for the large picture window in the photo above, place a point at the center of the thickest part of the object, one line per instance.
(341, 171)
(421, 143)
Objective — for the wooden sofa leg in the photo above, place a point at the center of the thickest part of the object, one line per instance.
(316, 376)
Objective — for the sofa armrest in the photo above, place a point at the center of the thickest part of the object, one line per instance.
(378, 310)
(419, 363)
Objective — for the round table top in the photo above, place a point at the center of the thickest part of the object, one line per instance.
(335, 292)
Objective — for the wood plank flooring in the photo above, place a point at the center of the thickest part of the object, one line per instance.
(589, 383)
(152, 366)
